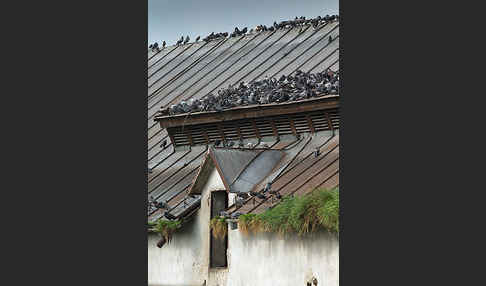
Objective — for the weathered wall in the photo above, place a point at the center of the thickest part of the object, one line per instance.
(267, 259)
(257, 259)
(185, 261)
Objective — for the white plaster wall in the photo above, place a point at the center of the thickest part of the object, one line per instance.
(231, 198)
(258, 259)
(185, 261)
(268, 259)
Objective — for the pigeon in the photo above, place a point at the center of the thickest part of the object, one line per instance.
(243, 195)
(239, 201)
(253, 194)
(263, 91)
(162, 205)
(223, 214)
(163, 44)
(236, 215)
(198, 37)
(150, 170)
(187, 40)
(330, 38)
(267, 187)
(163, 144)
(317, 153)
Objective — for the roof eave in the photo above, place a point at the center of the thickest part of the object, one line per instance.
(247, 112)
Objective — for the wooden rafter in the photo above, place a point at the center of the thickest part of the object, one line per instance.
(172, 139)
(329, 123)
(292, 126)
(189, 135)
(257, 133)
(309, 122)
(238, 130)
(206, 137)
(274, 128)
(221, 132)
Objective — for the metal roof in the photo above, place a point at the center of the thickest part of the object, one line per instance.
(232, 162)
(240, 169)
(300, 171)
(194, 70)
(256, 171)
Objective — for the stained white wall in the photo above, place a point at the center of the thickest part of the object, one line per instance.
(185, 261)
(268, 259)
(258, 259)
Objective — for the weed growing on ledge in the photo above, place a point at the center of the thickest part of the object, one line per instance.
(165, 227)
(219, 227)
(300, 214)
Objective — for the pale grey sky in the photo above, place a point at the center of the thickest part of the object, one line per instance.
(170, 19)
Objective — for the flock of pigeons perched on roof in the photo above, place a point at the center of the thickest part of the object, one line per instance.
(302, 85)
(298, 21)
(155, 47)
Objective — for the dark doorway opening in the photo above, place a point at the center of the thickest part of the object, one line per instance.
(218, 246)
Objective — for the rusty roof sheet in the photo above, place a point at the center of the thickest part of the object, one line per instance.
(290, 165)
(301, 172)
(191, 71)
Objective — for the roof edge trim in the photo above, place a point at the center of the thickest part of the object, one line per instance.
(306, 105)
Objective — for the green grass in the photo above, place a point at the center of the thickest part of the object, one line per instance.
(300, 214)
(165, 227)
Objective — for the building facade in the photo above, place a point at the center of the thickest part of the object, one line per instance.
(254, 259)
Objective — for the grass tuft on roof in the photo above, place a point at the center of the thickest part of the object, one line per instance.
(164, 227)
(300, 214)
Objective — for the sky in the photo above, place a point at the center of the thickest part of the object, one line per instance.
(170, 19)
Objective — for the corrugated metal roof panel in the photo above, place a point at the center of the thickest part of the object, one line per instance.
(178, 73)
(302, 173)
(266, 51)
